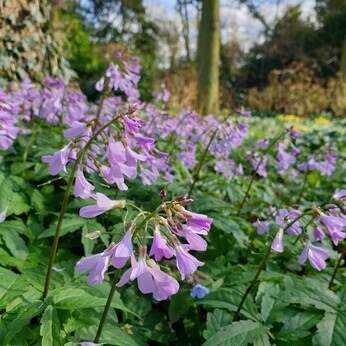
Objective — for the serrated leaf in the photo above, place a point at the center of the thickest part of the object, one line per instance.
(50, 328)
(331, 329)
(309, 292)
(215, 321)
(22, 319)
(229, 298)
(298, 327)
(15, 244)
(237, 334)
(76, 298)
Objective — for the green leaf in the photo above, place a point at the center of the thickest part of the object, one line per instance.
(13, 226)
(15, 244)
(331, 329)
(22, 320)
(215, 321)
(237, 334)
(50, 328)
(76, 298)
(309, 292)
(70, 224)
(7, 279)
(298, 326)
(229, 298)
(229, 226)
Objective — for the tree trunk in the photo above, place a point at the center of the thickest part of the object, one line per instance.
(343, 59)
(208, 53)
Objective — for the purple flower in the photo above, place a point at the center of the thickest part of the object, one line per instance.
(3, 215)
(77, 129)
(121, 251)
(335, 227)
(277, 244)
(294, 134)
(82, 187)
(159, 247)
(260, 165)
(186, 263)
(243, 112)
(340, 194)
(199, 291)
(150, 278)
(262, 143)
(58, 161)
(318, 234)
(103, 204)
(262, 227)
(97, 264)
(239, 170)
(317, 256)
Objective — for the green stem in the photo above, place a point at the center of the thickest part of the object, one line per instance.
(336, 269)
(64, 205)
(200, 163)
(255, 172)
(106, 309)
(252, 283)
(303, 187)
(260, 268)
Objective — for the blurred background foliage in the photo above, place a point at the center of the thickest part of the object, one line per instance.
(298, 66)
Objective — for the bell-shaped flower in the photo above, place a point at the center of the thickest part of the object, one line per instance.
(186, 263)
(97, 264)
(82, 187)
(150, 278)
(199, 291)
(336, 227)
(159, 246)
(316, 255)
(262, 227)
(103, 204)
(58, 161)
(277, 244)
(121, 251)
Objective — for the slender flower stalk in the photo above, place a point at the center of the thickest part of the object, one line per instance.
(342, 256)
(107, 306)
(64, 204)
(306, 173)
(260, 268)
(255, 171)
(200, 163)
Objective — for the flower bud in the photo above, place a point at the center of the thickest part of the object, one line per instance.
(93, 235)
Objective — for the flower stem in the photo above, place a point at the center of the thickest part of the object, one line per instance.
(255, 171)
(106, 309)
(200, 163)
(252, 283)
(260, 268)
(303, 186)
(336, 269)
(64, 205)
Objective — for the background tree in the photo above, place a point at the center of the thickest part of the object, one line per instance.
(208, 54)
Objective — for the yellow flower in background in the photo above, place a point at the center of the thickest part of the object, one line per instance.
(290, 118)
(321, 120)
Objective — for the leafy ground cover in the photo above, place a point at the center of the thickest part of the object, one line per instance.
(124, 224)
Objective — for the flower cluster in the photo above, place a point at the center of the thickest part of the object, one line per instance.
(331, 220)
(192, 132)
(170, 224)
